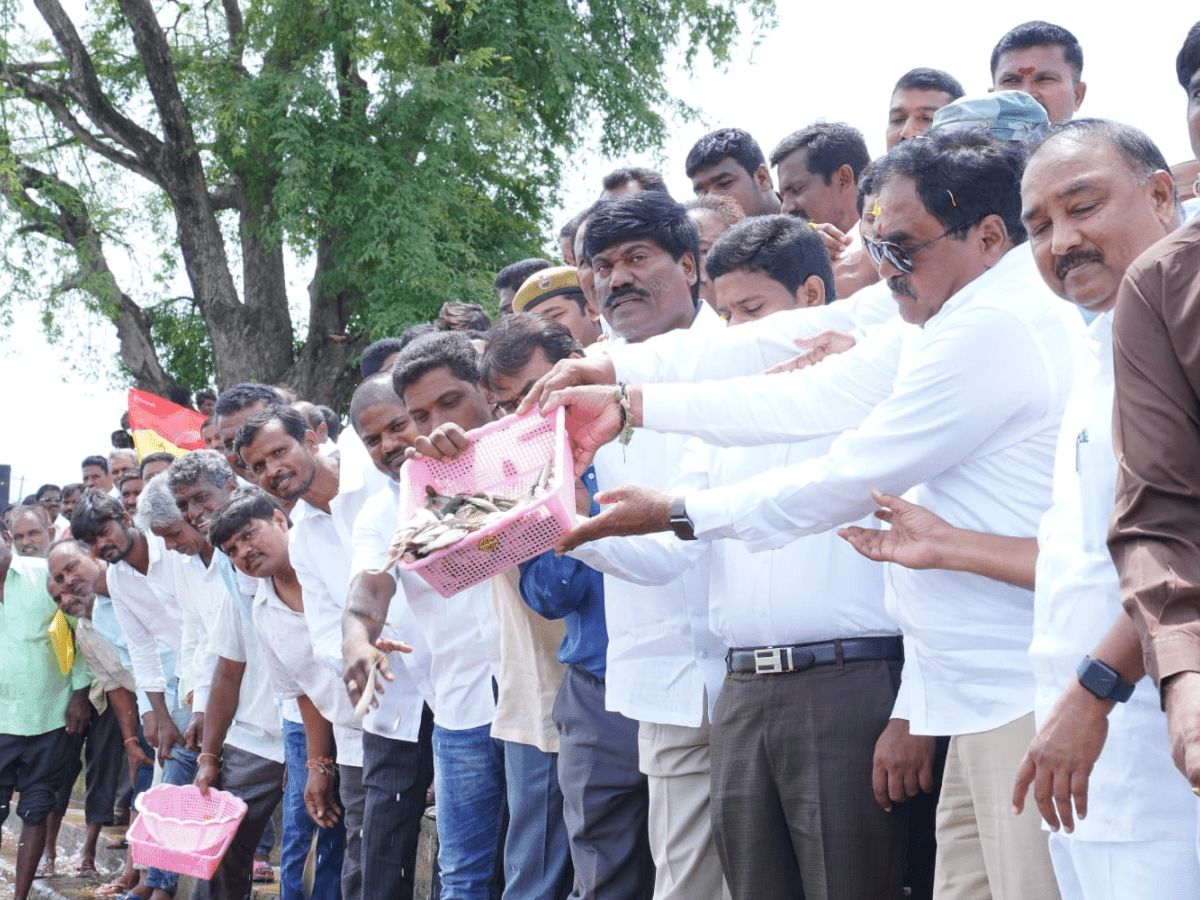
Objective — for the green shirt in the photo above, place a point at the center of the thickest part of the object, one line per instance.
(33, 692)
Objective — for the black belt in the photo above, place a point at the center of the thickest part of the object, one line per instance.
(797, 658)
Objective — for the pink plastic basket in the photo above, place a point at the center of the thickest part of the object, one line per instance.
(181, 830)
(506, 457)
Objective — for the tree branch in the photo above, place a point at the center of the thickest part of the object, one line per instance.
(55, 102)
(84, 87)
(237, 35)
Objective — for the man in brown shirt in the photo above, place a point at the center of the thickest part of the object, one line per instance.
(1155, 533)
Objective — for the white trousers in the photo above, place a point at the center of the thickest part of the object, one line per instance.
(1120, 870)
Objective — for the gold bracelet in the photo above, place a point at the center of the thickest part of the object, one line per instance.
(130, 740)
(213, 755)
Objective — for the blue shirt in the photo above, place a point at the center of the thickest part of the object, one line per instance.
(104, 620)
(559, 587)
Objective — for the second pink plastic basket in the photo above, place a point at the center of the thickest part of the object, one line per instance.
(506, 457)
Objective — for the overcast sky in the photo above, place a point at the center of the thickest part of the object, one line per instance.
(823, 61)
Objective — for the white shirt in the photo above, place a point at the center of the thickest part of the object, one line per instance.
(256, 727)
(198, 590)
(968, 432)
(662, 659)
(691, 355)
(816, 588)
(287, 650)
(148, 614)
(398, 715)
(1135, 793)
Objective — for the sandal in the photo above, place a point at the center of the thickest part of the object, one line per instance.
(263, 873)
(86, 870)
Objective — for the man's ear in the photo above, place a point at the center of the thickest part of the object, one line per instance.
(811, 292)
(689, 267)
(762, 178)
(844, 177)
(1080, 93)
(992, 234)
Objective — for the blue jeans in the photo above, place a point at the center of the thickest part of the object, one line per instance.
(298, 829)
(469, 767)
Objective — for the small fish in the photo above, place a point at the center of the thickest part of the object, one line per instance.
(368, 692)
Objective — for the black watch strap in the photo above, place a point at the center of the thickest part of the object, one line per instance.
(680, 523)
(1103, 680)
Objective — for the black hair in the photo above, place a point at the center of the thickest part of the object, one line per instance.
(455, 315)
(866, 185)
(74, 487)
(241, 396)
(649, 179)
(333, 423)
(1188, 60)
(205, 394)
(1040, 34)
(45, 488)
(160, 456)
(923, 79)
(376, 353)
(514, 339)
(828, 146)
(293, 421)
(451, 349)
(242, 505)
(98, 461)
(648, 214)
(962, 176)
(129, 476)
(412, 332)
(179, 395)
(514, 275)
(375, 390)
(567, 232)
(92, 510)
(784, 248)
(721, 144)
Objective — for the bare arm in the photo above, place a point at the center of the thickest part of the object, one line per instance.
(222, 705)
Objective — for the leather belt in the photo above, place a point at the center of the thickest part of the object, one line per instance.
(798, 657)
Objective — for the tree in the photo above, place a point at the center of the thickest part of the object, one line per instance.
(407, 149)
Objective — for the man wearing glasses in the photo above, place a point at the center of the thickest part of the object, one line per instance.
(961, 414)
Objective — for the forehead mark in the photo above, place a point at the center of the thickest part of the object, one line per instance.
(1025, 70)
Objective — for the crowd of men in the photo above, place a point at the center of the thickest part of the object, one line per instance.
(711, 687)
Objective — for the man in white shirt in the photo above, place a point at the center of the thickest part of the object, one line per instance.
(438, 380)
(1101, 750)
(814, 660)
(141, 581)
(280, 449)
(664, 664)
(968, 423)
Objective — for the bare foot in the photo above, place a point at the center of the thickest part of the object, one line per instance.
(86, 869)
(45, 868)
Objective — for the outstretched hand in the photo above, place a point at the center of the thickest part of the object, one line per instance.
(813, 350)
(915, 540)
(444, 442)
(632, 509)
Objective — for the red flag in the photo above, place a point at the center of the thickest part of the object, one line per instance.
(159, 424)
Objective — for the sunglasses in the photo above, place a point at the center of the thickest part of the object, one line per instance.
(901, 258)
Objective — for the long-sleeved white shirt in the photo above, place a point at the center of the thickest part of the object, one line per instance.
(663, 661)
(1135, 793)
(967, 431)
(689, 355)
(148, 612)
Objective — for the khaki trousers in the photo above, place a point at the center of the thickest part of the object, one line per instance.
(983, 850)
(675, 760)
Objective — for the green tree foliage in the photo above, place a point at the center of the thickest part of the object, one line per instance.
(406, 150)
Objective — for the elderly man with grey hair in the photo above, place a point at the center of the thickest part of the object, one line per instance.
(241, 740)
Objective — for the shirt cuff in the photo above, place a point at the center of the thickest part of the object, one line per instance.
(665, 407)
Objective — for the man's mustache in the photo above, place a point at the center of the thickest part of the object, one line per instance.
(620, 294)
(1076, 258)
(899, 285)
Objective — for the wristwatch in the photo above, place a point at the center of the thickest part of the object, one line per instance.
(1103, 680)
(681, 523)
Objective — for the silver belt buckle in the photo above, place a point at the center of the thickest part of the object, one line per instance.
(772, 660)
